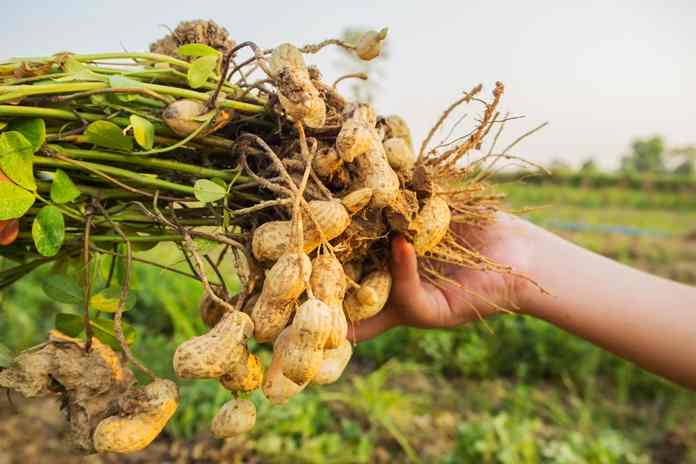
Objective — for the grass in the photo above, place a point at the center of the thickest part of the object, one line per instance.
(529, 393)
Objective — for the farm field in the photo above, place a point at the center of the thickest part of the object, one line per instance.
(524, 393)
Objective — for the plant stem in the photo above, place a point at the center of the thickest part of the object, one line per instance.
(13, 92)
(136, 177)
(154, 163)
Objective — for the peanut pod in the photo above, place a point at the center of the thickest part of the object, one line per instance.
(276, 387)
(234, 418)
(328, 283)
(431, 224)
(370, 298)
(334, 363)
(245, 375)
(213, 354)
(308, 333)
(137, 429)
(284, 283)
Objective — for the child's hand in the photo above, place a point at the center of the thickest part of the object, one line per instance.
(418, 303)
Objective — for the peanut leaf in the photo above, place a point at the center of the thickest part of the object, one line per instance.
(14, 201)
(63, 190)
(207, 191)
(48, 230)
(196, 50)
(69, 324)
(108, 135)
(201, 70)
(16, 159)
(64, 289)
(34, 130)
(72, 325)
(108, 299)
(143, 130)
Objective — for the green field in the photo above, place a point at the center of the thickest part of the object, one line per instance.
(525, 393)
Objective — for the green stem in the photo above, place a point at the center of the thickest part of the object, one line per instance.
(117, 238)
(134, 176)
(154, 163)
(102, 193)
(13, 92)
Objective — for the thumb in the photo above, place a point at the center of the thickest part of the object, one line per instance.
(404, 268)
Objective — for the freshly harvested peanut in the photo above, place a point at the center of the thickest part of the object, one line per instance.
(370, 44)
(271, 239)
(284, 283)
(326, 162)
(357, 200)
(308, 333)
(431, 224)
(296, 93)
(211, 355)
(370, 298)
(184, 117)
(357, 133)
(375, 172)
(395, 126)
(328, 283)
(276, 387)
(138, 428)
(334, 363)
(246, 375)
(399, 154)
(234, 418)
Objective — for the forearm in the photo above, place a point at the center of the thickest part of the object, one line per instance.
(643, 318)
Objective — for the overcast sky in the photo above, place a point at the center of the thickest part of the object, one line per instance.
(600, 73)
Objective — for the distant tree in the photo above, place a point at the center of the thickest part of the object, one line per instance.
(685, 168)
(589, 166)
(647, 155)
(687, 159)
(559, 166)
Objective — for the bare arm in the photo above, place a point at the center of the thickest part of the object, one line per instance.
(645, 319)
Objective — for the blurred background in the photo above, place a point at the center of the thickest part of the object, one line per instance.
(615, 81)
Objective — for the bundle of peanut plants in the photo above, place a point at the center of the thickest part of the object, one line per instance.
(203, 140)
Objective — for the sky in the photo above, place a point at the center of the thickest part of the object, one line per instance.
(600, 72)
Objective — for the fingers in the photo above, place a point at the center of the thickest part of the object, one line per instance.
(404, 268)
(370, 328)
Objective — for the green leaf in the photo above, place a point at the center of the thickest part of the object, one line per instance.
(69, 324)
(122, 82)
(6, 358)
(108, 135)
(63, 189)
(63, 289)
(14, 201)
(84, 75)
(48, 230)
(196, 49)
(3, 124)
(72, 66)
(208, 191)
(107, 300)
(201, 70)
(143, 130)
(34, 130)
(16, 159)
(104, 331)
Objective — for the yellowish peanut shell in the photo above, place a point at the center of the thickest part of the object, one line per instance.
(246, 375)
(400, 156)
(328, 283)
(213, 354)
(276, 387)
(133, 432)
(369, 45)
(431, 224)
(375, 172)
(334, 363)
(370, 298)
(308, 333)
(271, 241)
(237, 416)
(357, 200)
